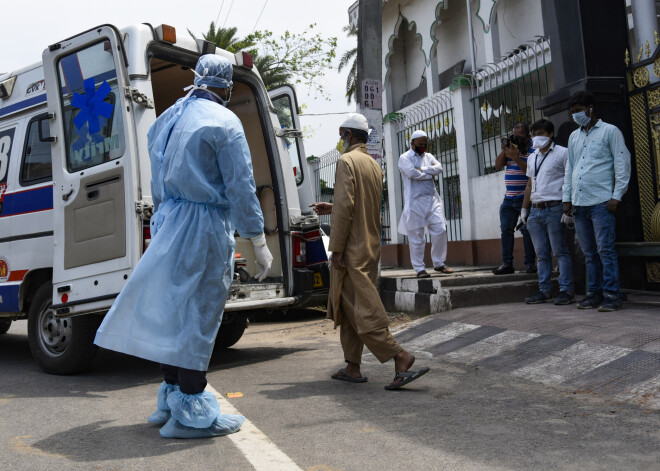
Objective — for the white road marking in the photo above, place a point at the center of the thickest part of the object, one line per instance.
(491, 346)
(647, 392)
(254, 444)
(440, 335)
(571, 362)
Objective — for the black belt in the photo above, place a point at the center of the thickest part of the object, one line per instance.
(545, 204)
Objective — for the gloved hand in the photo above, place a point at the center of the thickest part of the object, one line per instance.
(264, 257)
(524, 214)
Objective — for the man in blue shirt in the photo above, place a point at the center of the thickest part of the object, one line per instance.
(597, 175)
(514, 157)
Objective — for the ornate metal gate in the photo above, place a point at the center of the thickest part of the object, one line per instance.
(643, 79)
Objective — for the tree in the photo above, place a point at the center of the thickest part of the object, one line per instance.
(225, 38)
(351, 80)
(293, 58)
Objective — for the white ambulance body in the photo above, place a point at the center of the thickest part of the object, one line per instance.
(75, 194)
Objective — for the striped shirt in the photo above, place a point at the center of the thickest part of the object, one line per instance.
(515, 179)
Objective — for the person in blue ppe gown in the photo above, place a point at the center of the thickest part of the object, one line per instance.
(171, 308)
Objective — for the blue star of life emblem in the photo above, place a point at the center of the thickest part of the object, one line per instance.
(91, 105)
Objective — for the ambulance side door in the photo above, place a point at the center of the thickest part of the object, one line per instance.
(286, 105)
(95, 175)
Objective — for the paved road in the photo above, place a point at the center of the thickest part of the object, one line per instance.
(468, 413)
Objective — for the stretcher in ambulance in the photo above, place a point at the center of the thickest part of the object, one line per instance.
(75, 195)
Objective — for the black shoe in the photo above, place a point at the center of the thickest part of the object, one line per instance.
(538, 298)
(530, 269)
(611, 304)
(503, 270)
(590, 301)
(423, 274)
(565, 297)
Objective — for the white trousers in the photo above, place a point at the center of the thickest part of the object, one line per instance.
(417, 244)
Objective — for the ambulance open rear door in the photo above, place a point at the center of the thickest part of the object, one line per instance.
(97, 231)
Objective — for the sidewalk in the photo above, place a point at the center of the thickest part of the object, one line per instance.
(475, 317)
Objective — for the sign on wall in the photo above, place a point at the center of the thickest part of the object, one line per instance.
(372, 94)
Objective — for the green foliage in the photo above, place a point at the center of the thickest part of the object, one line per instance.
(292, 58)
(351, 54)
(225, 38)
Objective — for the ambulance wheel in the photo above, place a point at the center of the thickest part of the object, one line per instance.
(5, 323)
(231, 332)
(60, 346)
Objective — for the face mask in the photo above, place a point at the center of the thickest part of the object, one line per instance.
(343, 144)
(340, 145)
(539, 142)
(420, 149)
(581, 118)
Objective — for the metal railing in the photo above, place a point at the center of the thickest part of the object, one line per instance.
(324, 169)
(506, 93)
(435, 116)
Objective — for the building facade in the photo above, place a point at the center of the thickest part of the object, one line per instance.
(466, 91)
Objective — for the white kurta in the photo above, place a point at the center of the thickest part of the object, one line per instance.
(423, 205)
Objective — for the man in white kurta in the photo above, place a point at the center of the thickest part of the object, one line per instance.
(422, 206)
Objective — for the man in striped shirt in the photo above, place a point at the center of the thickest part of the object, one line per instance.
(514, 158)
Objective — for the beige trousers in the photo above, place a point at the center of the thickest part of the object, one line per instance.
(380, 341)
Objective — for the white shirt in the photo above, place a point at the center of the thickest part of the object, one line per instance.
(422, 205)
(547, 173)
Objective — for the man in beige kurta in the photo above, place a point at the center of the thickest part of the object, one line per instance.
(354, 302)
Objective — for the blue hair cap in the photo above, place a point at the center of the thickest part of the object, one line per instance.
(213, 71)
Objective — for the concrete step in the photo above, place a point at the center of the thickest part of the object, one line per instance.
(488, 294)
(401, 291)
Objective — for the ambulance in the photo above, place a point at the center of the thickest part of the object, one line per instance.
(75, 194)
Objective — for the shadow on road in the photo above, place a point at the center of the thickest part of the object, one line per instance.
(96, 442)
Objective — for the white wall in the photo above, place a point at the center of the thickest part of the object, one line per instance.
(451, 34)
(517, 21)
(488, 193)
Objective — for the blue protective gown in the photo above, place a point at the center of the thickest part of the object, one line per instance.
(203, 189)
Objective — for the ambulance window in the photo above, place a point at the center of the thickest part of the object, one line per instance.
(93, 123)
(36, 164)
(284, 111)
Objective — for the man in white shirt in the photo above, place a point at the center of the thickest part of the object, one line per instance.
(422, 206)
(545, 169)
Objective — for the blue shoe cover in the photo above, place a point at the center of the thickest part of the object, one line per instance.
(224, 424)
(194, 410)
(162, 413)
(159, 417)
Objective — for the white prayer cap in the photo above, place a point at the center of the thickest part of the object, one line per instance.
(418, 133)
(355, 121)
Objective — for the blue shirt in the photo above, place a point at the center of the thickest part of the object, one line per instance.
(598, 166)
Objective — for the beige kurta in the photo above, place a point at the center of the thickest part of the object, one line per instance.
(356, 233)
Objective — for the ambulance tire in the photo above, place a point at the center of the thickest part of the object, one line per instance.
(5, 323)
(60, 346)
(231, 332)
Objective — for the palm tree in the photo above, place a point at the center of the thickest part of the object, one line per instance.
(351, 80)
(225, 38)
(273, 72)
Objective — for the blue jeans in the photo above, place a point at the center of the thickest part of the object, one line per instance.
(547, 233)
(594, 226)
(509, 213)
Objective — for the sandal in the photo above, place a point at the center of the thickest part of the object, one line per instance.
(343, 376)
(406, 377)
